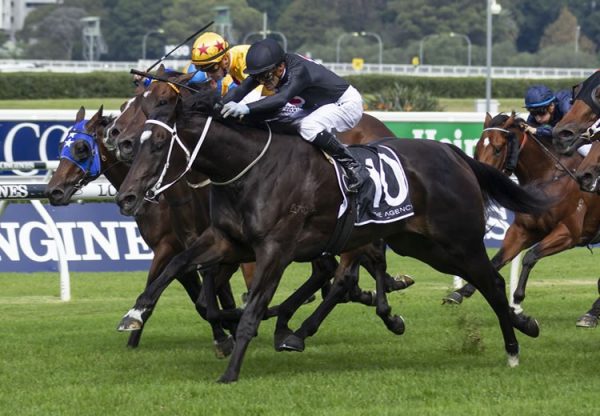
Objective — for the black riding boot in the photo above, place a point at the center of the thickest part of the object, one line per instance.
(356, 173)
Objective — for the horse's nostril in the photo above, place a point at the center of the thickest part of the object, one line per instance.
(55, 194)
(565, 134)
(114, 132)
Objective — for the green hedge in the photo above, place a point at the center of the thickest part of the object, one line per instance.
(471, 87)
(44, 85)
(116, 84)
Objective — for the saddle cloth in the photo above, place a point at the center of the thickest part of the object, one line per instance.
(384, 198)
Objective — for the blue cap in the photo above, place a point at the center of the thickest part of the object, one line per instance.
(539, 96)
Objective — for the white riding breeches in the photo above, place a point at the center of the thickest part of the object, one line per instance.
(342, 115)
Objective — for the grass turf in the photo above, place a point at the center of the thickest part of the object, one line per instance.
(67, 359)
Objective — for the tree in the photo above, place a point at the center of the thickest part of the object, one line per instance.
(56, 34)
(564, 31)
(179, 23)
(301, 19)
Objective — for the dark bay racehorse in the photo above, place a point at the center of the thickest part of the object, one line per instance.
(572, 130)
(283, 204)
(574, 220)
(123, 134)
(157, 226)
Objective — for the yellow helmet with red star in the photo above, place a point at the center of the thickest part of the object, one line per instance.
(209, 48)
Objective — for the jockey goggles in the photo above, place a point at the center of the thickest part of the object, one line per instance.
(264, 77)
(538, 111)
(90, 165)
(209, 68)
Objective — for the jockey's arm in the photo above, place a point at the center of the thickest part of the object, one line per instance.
(237, 94)
(297, 82)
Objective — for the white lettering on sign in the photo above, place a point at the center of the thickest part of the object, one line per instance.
(83, 241)
(135, 243)
(13, 191)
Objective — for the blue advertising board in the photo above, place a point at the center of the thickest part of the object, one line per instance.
(30, 140)
(95, 235)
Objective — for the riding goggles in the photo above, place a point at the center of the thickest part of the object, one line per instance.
(264, 77)
(538, 111)
(210, 68)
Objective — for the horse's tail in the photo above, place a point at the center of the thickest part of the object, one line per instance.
(498, 187)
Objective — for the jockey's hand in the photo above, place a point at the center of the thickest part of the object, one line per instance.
(530, 130)
(233, 109)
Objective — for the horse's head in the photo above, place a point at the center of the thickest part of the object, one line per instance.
(572, 130)
(130, 116)
(81, 157)
(158, 144)
(588, 172)
(500, 142)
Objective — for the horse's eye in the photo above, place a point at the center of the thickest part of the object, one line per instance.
(80, 150)
(162, 102)
(497, 150)
(157, 145)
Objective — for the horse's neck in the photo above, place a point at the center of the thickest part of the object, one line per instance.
(114, 170)
(535, 163)
(226, 152)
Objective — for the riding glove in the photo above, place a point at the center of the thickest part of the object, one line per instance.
(233, 109)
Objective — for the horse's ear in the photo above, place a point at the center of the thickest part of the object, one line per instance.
(100, 110)
(96, 117)
(80, 114)
(510, 120)
(161, 70)
(488, 120)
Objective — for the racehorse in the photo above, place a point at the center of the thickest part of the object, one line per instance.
(574, 220)
(156, 223)
(578, 125)
(123, 134)
(275, 199)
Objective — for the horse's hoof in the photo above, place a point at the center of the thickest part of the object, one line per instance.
(587, 321)
(399, 282)
(527, 325)
(279, 338)
(224, 348)
(453, 298)
(226, 379)
(132, 321)
(128, 324)
(292, 343)
(396, 325)
(513, 360)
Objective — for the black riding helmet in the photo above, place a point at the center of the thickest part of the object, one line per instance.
(263, 56)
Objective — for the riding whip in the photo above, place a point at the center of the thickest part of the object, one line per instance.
(181, 44)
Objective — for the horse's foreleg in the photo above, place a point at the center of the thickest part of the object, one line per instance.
(181, 263)
(558, 240)
(162, 254)
(271, 261)
(323, 269)
(346, 277)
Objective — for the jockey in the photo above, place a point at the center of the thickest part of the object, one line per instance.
(545, 109)
(328, 100)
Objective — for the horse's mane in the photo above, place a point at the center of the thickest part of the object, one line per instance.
(208, 102)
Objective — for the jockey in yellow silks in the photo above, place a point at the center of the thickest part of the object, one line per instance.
(212, 55)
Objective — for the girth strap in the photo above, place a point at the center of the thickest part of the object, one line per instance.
(343, 228)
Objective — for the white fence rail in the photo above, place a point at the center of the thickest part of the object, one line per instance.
(15, 65)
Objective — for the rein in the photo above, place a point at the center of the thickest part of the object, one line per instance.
(157, 189)
(539, 143)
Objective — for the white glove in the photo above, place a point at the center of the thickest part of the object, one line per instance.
(530, 130)
(232, 109)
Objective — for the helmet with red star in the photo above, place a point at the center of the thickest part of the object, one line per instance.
(209, 48)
